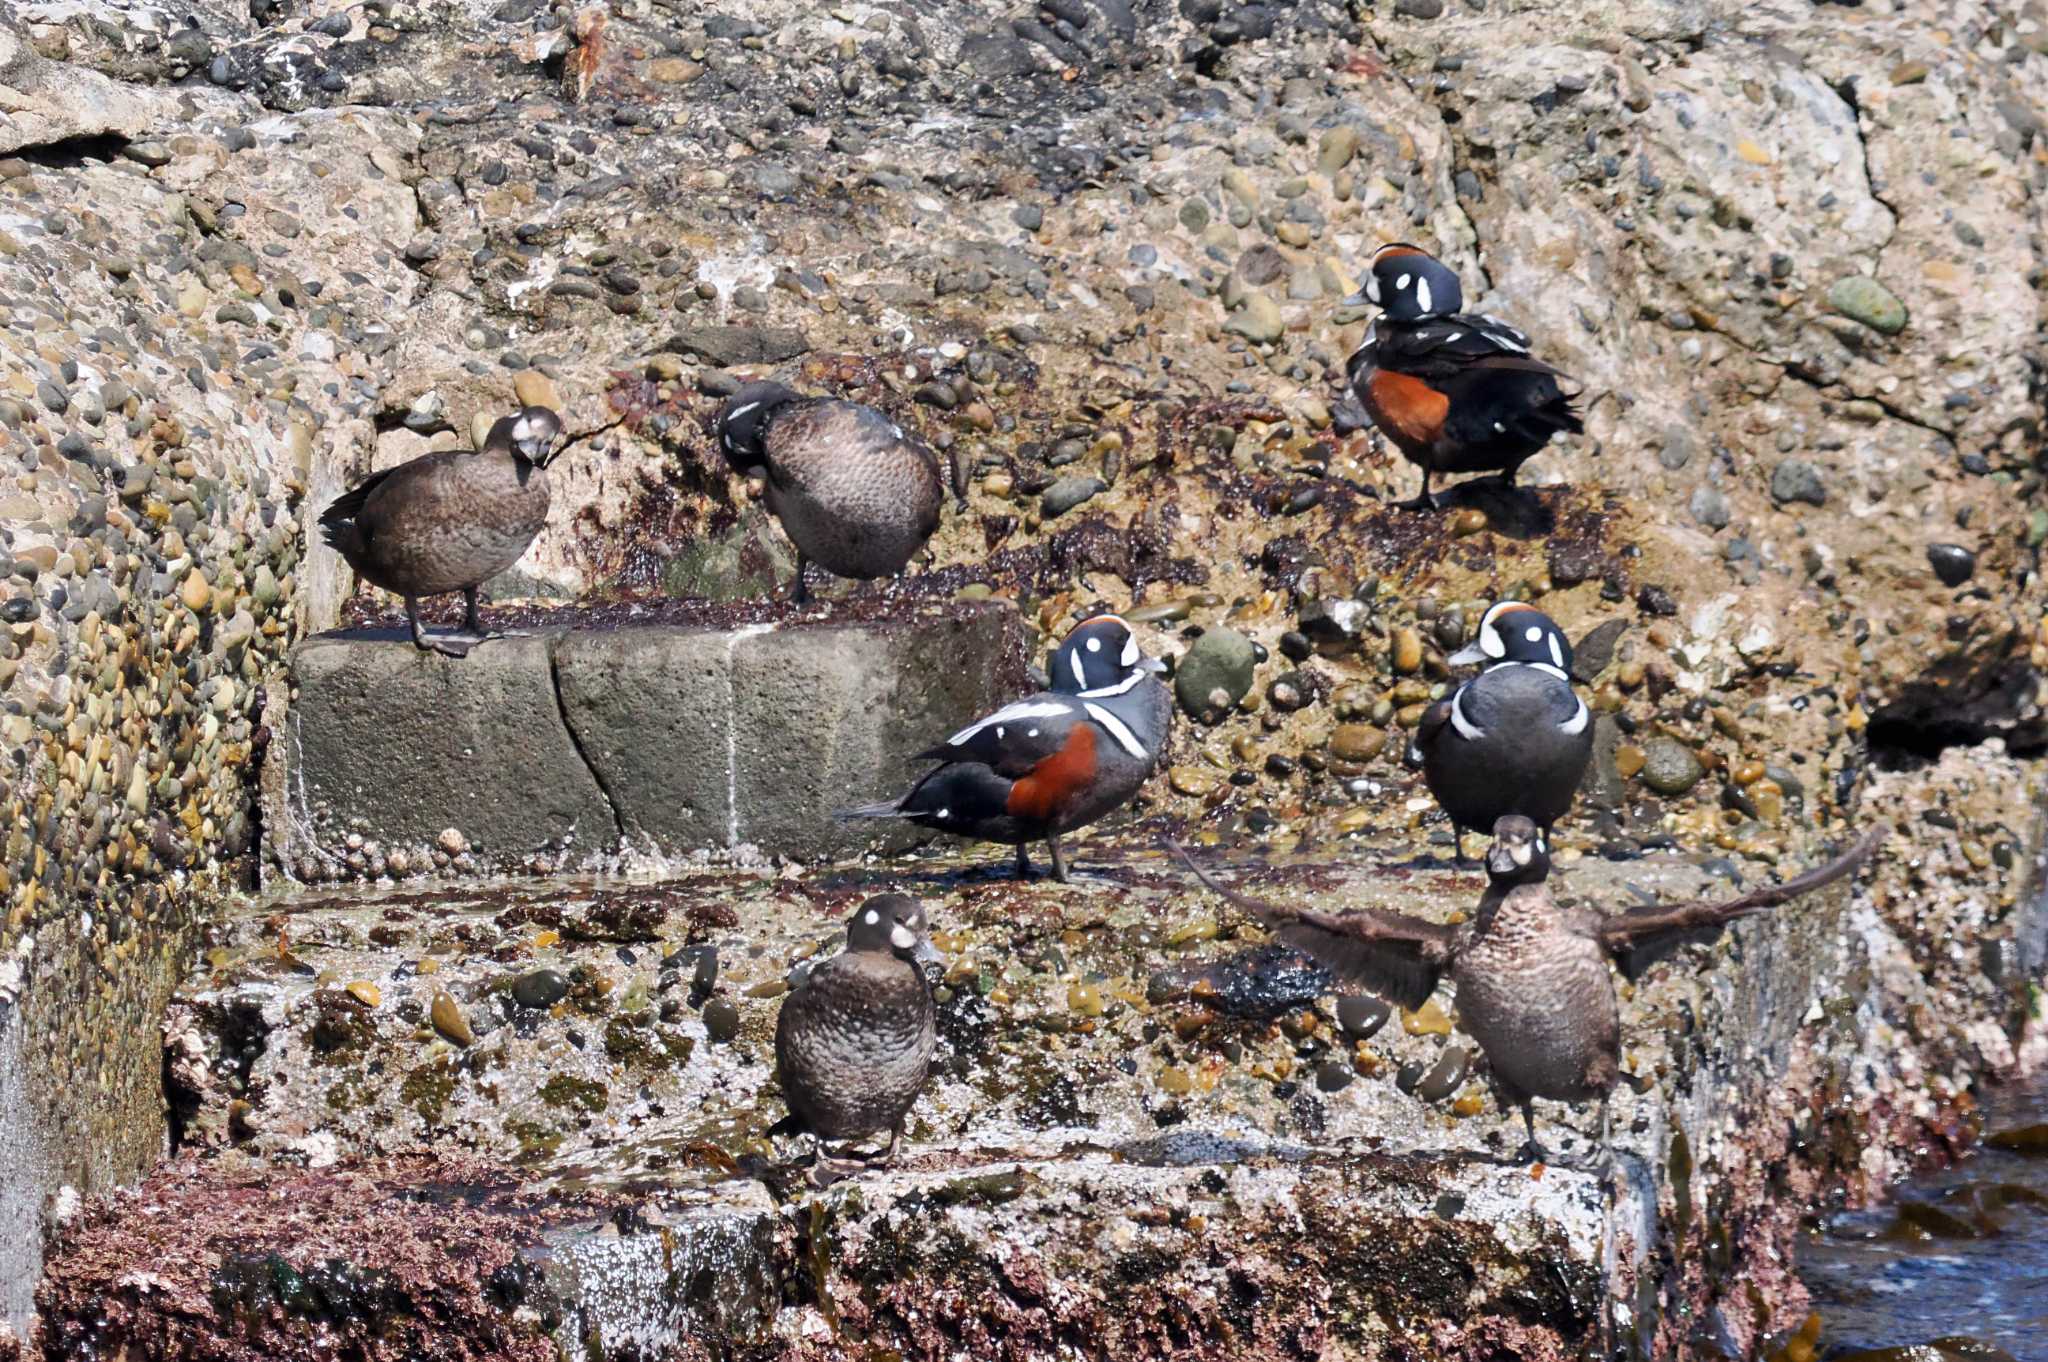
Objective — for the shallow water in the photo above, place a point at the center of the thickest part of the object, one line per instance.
(1961, 1253)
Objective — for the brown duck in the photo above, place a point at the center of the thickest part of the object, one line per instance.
(853, 1042)
(450, 520)
(1533, 981)
(855, 493)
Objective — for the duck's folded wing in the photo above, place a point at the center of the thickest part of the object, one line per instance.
(1015, 739)
(1640, 937)
(349, 504)
(1391, 954)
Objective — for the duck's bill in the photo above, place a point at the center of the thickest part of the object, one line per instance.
(1466, 657)
(1151, 664)
(1357, 299)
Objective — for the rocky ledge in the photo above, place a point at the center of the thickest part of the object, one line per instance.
(1149, 1133)
(594, 735)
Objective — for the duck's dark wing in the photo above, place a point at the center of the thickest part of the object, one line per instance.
(1434, 721)
(1640, 937)
(1444, 345)
(1391, 954)
(349, 504)
(1016, 738)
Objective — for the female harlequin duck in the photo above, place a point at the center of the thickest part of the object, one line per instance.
(1455, 393)
(450, 520)
(853, 1042)
(854, 493)
(1516, 738)
(1053, 761)
(1533, 978)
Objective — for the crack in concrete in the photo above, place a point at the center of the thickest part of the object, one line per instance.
(576, 741)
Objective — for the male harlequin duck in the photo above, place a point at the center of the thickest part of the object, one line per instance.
(1515, 738)
(1455, 393)
(1532, 977)
(450, 520)
(853, 1042)
(854, 493)
(1053, 761)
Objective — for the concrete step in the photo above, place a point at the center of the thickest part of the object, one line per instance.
(593, 737)
(1140, 1118)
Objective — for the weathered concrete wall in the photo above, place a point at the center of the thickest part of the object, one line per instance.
(571, 748)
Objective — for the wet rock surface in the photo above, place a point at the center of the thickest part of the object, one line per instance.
(1125, 1070)
(249, 253)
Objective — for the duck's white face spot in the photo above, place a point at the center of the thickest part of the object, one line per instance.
(999, 733)
(871, 917)
(1521, 853)
(1080, 673)
(1541, 845)
(522, 430)
(1094, 645)
(737, 412)
(1490, 641)
(1422, 298)
(1032, 734)
(1372, 288)
(1131, 653)
(1534, 634)
(943, 814)
(901, 937)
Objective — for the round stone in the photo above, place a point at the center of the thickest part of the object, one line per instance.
(1669, 766)
(1215, 674)
(1357, 742)
(1361, 1016)
(540, 988)
(721, 1020)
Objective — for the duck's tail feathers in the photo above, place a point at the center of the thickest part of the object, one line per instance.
(887, 808)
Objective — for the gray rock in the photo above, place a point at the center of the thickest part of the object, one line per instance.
(728, 345)
(1260, 322)
(1602, 786)
(1067, 493)
(1678, 448)
(1592, 653)
(191, 47)
(1797, 480)
(1214, 674)
(1869, 302)
(1710, 507)
(1669, 766)
(540, 988)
